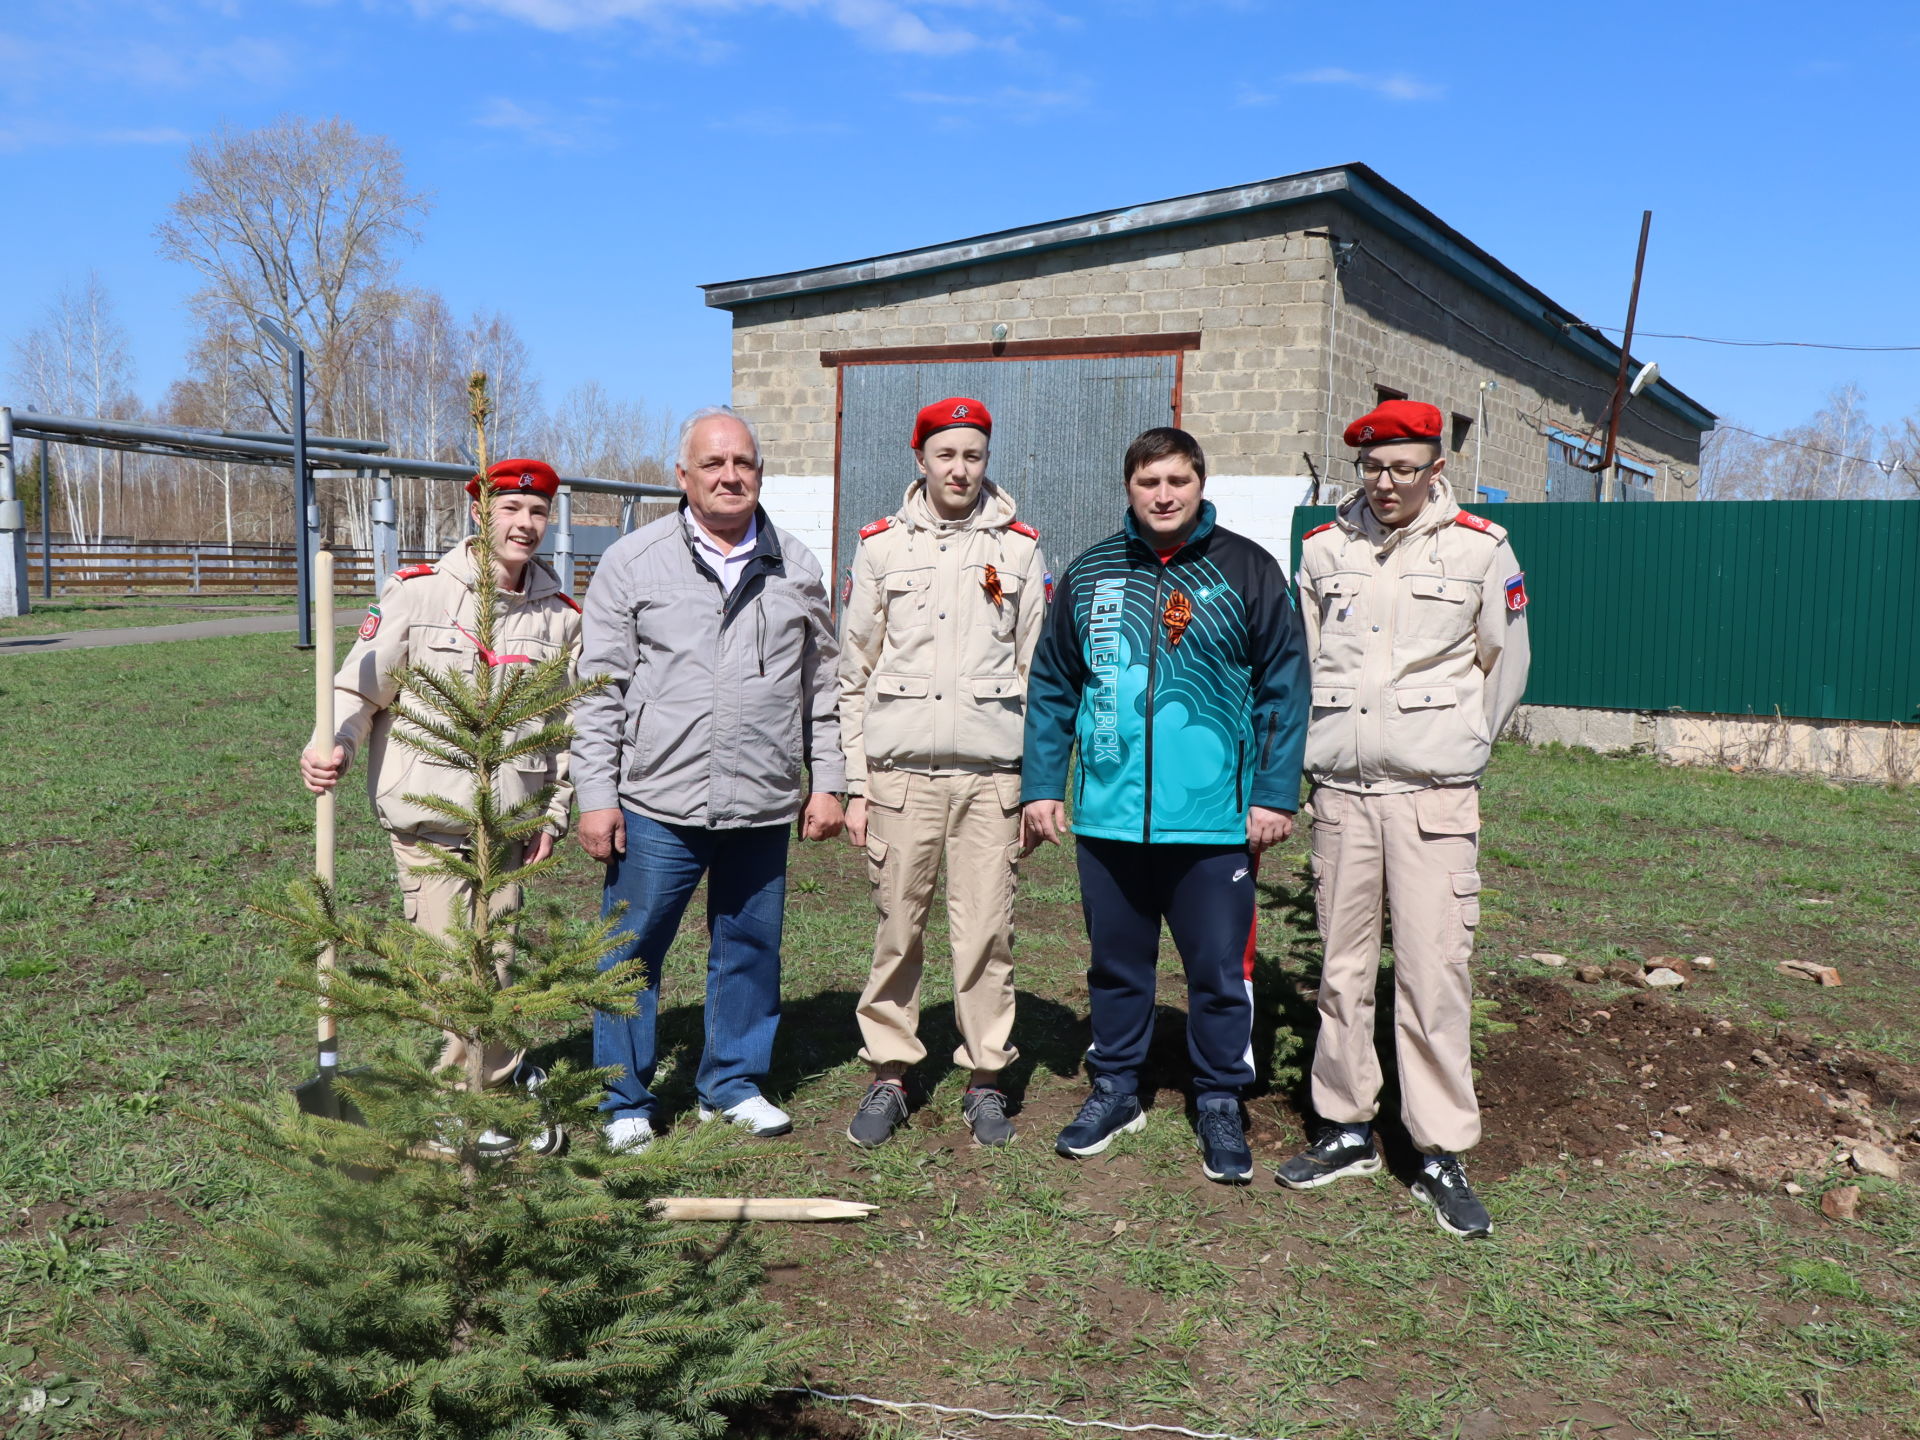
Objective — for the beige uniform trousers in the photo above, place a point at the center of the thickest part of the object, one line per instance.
(1418, 850)
(973, 820)
(434, 902)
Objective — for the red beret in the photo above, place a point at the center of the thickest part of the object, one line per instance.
(946, 414)
(519, 475)
(1395, 420)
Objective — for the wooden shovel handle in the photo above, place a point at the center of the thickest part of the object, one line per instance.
(323, 742)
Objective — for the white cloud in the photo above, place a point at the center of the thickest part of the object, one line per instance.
(539, 126)
(884, 24)
(1006, 97)
(1388, 87)
(1399, 86)
(20, 136)
(964, 110)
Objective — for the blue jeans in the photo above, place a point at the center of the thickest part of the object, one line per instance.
(746, 898)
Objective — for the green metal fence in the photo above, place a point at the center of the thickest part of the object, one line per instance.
(1807, 608)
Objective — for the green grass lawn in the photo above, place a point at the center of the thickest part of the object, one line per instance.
(150, 793)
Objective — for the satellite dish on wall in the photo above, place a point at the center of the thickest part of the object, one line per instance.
(1649, 373)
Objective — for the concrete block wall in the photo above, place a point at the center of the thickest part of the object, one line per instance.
(1258, 289)
(1873, 752)
(1260, 507)
(803, 506)
(1255, 291)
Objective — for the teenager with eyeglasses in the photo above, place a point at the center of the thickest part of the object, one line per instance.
(1416, 621)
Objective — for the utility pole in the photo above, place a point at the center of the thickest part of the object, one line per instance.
(306, 514)
(15, 598)
(1619, 401)
(46, 526)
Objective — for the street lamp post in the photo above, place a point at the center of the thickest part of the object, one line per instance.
(307, 520)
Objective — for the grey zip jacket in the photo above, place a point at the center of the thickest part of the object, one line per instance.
(718, 703)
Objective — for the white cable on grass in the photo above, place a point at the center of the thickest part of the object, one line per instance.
(1037, 1419)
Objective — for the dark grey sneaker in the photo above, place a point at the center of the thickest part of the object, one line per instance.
(1224, 1155)
(986, 1112)
(1443, 1185)
(1338, 1151)
(883, 1110)
(1104, 1114)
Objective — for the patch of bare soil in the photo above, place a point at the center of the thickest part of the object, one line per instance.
(1646, 1073)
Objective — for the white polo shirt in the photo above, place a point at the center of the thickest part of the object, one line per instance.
(729, 565)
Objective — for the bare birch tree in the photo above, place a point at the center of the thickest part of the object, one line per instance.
(591, 433)
(76, 362)
(298, 221)
(1836, 454)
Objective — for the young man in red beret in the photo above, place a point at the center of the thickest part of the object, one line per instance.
(943, 608)
(1417, 630)
(425, 616)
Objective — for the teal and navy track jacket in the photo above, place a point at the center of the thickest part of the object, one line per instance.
(1177, 737)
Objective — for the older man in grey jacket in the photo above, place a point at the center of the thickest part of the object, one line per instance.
(713, 626)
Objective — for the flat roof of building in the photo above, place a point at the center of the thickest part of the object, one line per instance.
(1354, 186)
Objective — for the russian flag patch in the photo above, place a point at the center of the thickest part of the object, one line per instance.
(1517, 592)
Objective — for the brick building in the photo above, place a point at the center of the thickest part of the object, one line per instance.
(1260, 317)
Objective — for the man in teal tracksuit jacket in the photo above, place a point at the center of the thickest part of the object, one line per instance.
(1174, 662)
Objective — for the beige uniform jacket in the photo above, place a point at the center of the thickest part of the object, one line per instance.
(419, 621)
(933, 671)
(1418, 648)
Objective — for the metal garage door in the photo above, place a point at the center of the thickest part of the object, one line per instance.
(1060, 427)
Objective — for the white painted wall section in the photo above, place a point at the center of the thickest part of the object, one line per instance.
(803, 506)
(1260, 507)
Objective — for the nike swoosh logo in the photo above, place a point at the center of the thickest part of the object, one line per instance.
(1240, 874)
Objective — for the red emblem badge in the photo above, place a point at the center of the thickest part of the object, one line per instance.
(370, 626)
(1517, 592)
(1177, 616)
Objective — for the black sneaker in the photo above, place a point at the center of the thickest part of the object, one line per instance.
(1104, 1114)
(986, 1112)
(552, 1138)
(1339, 1151)
(1443, 1185)
(883, 1110)
(1224, 1155)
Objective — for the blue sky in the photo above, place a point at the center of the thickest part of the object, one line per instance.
(592, 161)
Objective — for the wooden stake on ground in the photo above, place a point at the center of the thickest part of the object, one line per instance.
(704, 1208)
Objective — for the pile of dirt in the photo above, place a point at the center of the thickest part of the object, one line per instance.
(1645, 1072)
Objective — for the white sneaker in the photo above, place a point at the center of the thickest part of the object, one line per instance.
(630, 1135)
(756, 1115)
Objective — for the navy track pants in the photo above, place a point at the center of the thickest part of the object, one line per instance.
(1205, 893)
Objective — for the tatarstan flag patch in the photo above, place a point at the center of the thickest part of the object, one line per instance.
(370, 626)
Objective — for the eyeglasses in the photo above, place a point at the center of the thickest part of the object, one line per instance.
(1402, 471)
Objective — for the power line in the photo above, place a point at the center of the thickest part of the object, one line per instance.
(1886, 467)
(1599, 387)
(1762, 344)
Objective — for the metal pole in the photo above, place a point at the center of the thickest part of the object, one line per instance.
(563, 539)
(1619, 402)
(386, 540)
(46, 526)
(626, 516)
(306, 518)
(16, 596)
